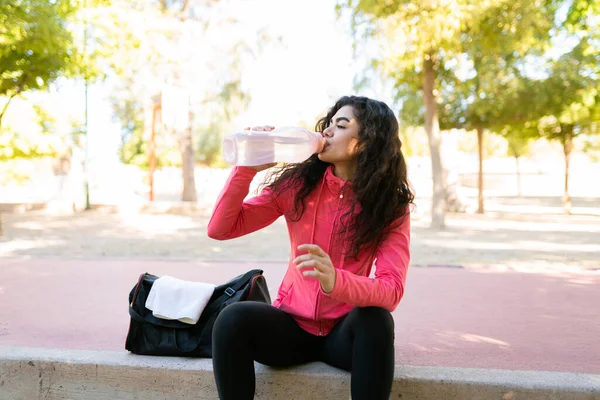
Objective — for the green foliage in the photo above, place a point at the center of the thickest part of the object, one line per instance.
(493, 145)
(481, 52)
(580, 17)
(568, 101)
(35, 144)
(414, 141)
(16, 170)
(129, 112)
(591, 146)
(36, 44)
(14, 145)
(496, 45)
(518, 144)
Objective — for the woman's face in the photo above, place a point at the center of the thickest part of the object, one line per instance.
(341, 136)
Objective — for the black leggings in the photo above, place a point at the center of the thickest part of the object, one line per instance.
(363, 343)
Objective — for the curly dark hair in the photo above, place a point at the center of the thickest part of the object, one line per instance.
(380, 184)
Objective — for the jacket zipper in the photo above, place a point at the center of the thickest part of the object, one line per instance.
(319, 285)
(317, 309)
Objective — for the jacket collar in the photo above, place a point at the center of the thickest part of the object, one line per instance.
(333, 182)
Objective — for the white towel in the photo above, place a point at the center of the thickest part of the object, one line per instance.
(172, 298)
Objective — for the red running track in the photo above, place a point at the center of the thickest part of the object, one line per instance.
(449, 317)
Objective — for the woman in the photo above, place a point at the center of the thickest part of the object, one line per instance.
(345, 208)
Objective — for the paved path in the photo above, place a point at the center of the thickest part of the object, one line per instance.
(522, 240)
(481, 318)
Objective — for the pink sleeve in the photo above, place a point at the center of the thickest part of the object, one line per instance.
(234, 217)
(391, 266)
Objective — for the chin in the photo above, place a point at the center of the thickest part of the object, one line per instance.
(324, 158)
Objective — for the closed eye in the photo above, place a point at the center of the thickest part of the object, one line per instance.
(338, 120)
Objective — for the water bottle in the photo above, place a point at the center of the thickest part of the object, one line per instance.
(287, 144)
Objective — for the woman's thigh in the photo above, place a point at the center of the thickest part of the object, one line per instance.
(274, 337)
(364, 326)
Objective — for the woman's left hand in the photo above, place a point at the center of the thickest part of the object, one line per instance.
(321, 265)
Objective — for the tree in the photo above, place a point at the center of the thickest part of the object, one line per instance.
(498, 44)
(566, 124)
(571, 100)
(153, 46)
(180, 10)
(38, 46)
(563, 105)
(419, 42)
(143, 48)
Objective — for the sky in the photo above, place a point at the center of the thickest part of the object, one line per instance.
(304, 75)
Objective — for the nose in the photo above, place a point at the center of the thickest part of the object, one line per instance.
(327, 132)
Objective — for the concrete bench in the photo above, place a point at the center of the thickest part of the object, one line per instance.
(33, 373)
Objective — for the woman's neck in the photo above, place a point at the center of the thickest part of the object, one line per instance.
(344, 171)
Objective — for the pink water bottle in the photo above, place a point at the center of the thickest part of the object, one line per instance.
(289, 144)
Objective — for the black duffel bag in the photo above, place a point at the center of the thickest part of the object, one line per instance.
(149, 335)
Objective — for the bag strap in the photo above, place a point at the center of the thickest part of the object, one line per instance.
(231, 290)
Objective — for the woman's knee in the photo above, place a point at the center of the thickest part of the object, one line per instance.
(232, 320)
(376, 321)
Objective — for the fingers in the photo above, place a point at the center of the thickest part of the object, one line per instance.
(303, 257)
(307, 264)
(313, 268)
(313, 264)
(313, 249)
(307, 259)
(314, 273)
(262, 128)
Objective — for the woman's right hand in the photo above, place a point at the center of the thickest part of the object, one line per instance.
(264, 128)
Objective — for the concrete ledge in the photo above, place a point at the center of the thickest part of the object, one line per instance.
(31, 373)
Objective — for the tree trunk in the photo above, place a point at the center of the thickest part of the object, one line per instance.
(187, 164)
(567, 148)
(188, 159)
(519, 191)
(432, 127)
(480, 201)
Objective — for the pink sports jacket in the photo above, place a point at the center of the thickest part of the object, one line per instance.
(302, 297)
